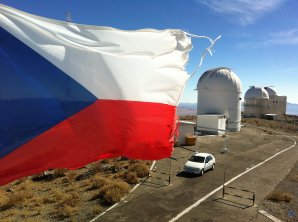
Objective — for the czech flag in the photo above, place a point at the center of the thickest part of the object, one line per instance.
(72, 94)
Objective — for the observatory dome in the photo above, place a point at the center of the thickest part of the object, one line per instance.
(256, 93)
(220, 79)
(219, 92)
(271, 91)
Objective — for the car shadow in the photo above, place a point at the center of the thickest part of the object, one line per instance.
(186, 175)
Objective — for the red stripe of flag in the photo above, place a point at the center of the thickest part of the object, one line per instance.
(107, 128)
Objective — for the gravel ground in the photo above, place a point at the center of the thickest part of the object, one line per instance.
(281, 209)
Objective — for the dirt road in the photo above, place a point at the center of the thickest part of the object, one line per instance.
(155, 200)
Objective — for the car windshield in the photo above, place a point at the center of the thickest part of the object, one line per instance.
(198, 159)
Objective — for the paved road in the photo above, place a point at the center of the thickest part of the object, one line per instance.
(154, 200)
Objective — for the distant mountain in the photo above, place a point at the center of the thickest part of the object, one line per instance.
(292, 109)
(191, 109)
(187, 109)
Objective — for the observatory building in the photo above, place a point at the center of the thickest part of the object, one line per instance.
(219, 100)
(264, 102)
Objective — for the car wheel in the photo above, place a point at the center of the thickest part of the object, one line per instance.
(213, 167)
(202, 172)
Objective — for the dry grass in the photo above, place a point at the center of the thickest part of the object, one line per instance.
(188, 117)
(294, 178)
(64, 212)
(71, 200)
(17, 199)
(131, 178)
(112, 192)
(60, 172)
(279, 196)
(105, 161)
(140, 169)
(34, 220)
(61, 194)
(47, 200)
(97, 166)
(72, 175)
(65, 199)
(289, 123)
(98, 182)
(97, 209)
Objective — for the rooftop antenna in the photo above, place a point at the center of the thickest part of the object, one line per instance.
(68, 17)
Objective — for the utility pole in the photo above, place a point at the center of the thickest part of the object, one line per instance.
(224, 151)
(170, 170)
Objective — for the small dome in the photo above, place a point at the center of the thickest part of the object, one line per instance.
(271, 92)
(256, 93)
(220, 79)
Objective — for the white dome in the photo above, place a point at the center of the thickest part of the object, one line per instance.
(219, 92)
(220, 79)
(256, 93)
(271, 92)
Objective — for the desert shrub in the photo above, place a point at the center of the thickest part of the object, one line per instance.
(120, 175)
(117, 167)
(17, 182)
(85, 175)
(33, 220)
(294, 178)
(105, 161)
(36, 201)
(72, 176)
(134, 161)
(22, 187)
(65, 212)
(70, 200)
(59, 194)
(279, 196)
(47, 200)
(65, 199)
(97, 182)
(113, 192)
(140, 169)
(42, 177)
(16, 199)
(60, 172)
(131, 177)
(97, 209)
(96, 167)
(148, 163)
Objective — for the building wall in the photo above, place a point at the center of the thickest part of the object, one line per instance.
(258, 108)
(221, 103)
(210, 124)
(186, 129)
(253, 108)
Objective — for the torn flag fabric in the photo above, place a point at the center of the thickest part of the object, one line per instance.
(71, 94)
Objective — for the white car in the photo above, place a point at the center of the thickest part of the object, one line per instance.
(199, 163)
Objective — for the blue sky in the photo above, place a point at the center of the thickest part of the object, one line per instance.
(259, 37)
